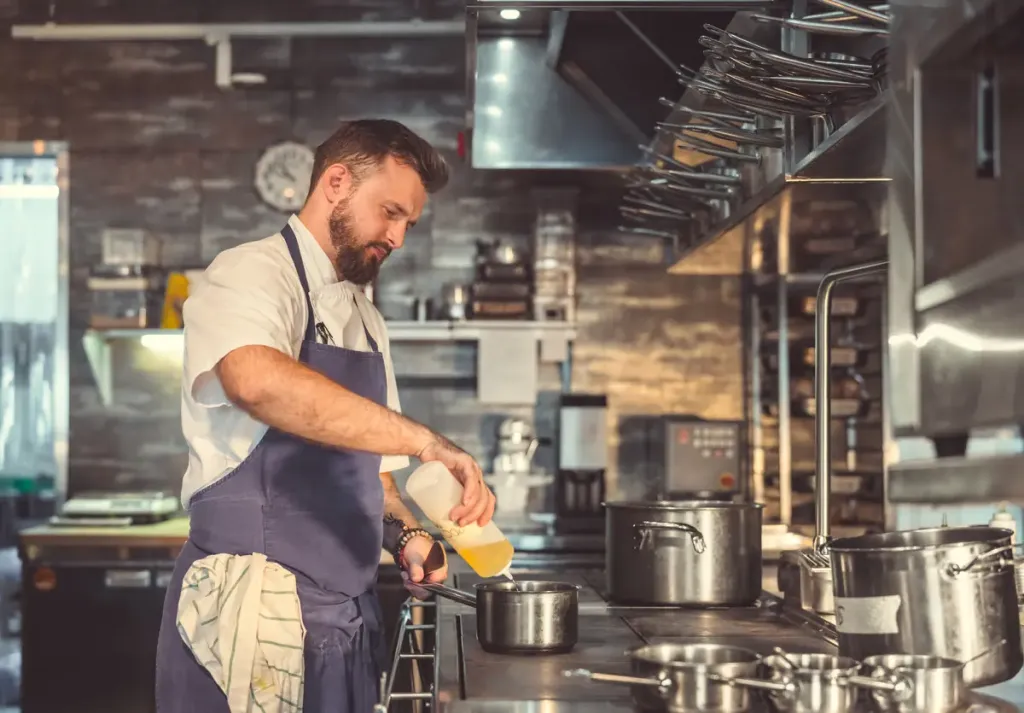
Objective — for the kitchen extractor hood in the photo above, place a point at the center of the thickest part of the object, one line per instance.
(575, 85)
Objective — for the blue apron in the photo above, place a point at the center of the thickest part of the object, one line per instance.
(317, 511)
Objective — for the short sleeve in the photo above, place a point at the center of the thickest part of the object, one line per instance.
(247, 297)
(390, 463)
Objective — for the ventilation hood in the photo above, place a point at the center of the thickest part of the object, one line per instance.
(575, 85)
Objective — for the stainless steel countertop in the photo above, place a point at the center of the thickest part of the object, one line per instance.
(471, 680)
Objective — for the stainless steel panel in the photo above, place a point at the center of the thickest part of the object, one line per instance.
(526, 116)
(956, 234)
(958, 481)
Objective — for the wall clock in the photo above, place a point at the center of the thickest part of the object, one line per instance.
(282, 175)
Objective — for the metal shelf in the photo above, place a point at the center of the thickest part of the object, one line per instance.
(849, 156)
(553, 336)
(400, 330)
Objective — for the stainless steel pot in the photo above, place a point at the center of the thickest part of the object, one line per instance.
(927, 683)
(521, 617)
(820, 683)
(807, 683)
(685, 678)
(947, 592)
(695, 553)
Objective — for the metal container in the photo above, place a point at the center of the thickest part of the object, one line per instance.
(808, 683)
(521, 617)
(696, 553)
(816, 588)
(685, 678)
(947, 592)
(823, 683)
(927, 683)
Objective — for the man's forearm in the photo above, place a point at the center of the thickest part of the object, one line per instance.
(284, 394)
(397, 516)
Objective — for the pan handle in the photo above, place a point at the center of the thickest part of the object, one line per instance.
(456, 595)
(646, 528)
(784, 687)
(899, 687)
(662, 684)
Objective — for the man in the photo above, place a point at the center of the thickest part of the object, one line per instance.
(292, 419)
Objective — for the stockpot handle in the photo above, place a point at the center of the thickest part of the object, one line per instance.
(786, 687)
(899, 687)
(662, 684)
(646, 528)
(953, 569)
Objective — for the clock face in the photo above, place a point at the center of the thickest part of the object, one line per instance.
(282, 175)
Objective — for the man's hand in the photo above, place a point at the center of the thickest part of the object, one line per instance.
(477, 499)
(413, 557)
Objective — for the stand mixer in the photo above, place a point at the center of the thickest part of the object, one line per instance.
(513, 474)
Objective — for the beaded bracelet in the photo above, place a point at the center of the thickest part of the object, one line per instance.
(404, 539)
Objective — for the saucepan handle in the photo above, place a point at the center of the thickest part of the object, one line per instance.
(662, 684)
(645, 532)
(899, 687)
(456, 595)
(785, 687)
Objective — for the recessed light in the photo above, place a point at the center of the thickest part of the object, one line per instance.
(509, 14)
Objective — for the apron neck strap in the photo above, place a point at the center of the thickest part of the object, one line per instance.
(292, 242)
(293, 249)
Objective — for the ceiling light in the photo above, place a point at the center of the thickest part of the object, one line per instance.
(509, 14)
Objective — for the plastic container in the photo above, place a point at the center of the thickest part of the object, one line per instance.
(436, 491)
(1006, 521)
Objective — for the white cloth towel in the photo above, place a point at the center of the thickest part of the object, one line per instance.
(240, 616)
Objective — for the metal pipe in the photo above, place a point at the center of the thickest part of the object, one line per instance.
(70, 33)
(647, 41)
(784, 423)
(823, 390)
(855, 9)
(840, 16)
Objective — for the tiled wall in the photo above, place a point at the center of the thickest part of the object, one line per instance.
(155, 144)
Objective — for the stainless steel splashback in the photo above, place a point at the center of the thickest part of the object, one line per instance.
(956, 216)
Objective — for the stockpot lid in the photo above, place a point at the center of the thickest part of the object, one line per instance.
(680, 505)
(926, 538)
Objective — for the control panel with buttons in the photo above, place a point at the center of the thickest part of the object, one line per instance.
(702, 456)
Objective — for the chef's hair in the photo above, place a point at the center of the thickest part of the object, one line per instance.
(363, 145)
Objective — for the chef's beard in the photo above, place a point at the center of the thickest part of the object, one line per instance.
(355, 261)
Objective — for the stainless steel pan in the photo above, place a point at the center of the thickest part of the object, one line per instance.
(521, 617)
(683, 678)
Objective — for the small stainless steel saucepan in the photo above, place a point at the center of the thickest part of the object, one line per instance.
(521, 617)
(817, 683)
(684, 678)
(924, 683)
(928, 683)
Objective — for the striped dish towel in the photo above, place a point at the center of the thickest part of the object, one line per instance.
(240, 616)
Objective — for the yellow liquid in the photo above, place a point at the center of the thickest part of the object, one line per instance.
(488, 560)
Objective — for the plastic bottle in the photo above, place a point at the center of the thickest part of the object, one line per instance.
(436, 491)
(1006, 521)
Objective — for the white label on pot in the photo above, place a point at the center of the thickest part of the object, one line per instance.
(868, 615)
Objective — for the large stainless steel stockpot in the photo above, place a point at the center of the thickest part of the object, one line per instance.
(946, 591)
(695, 553)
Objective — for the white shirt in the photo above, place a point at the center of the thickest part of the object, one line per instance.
(251, 295)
